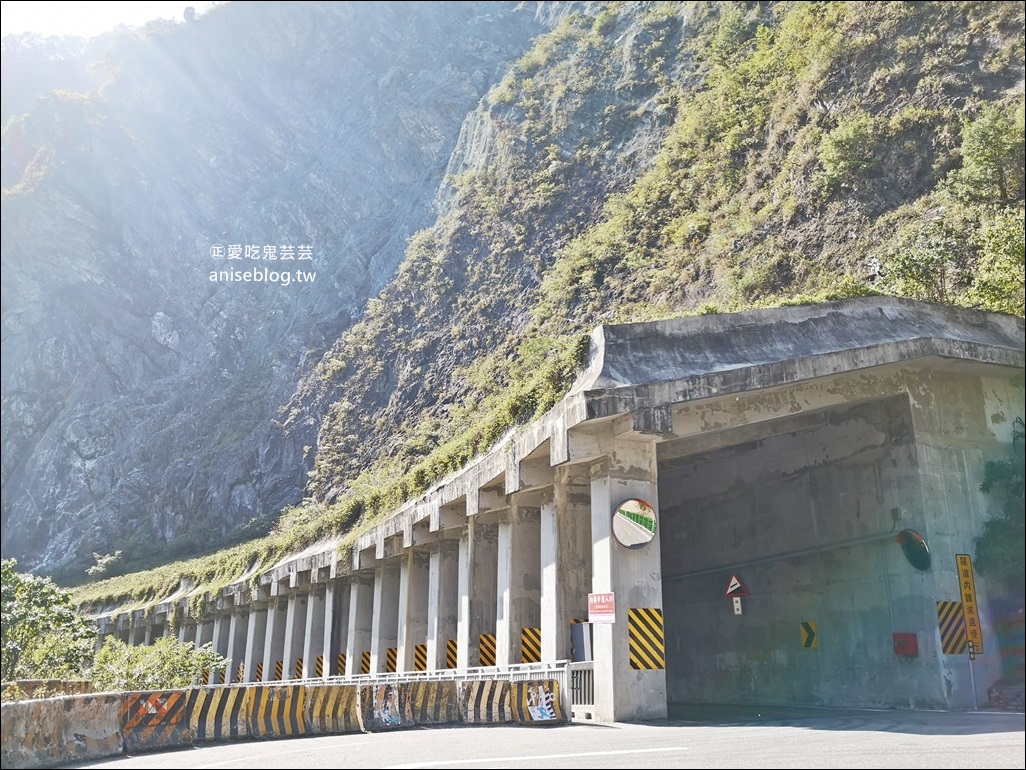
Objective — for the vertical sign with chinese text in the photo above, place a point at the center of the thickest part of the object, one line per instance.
(967, 590)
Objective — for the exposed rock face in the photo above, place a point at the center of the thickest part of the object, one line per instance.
(141, 398)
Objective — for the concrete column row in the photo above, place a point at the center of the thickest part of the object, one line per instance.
(496, 587)
(490, 583)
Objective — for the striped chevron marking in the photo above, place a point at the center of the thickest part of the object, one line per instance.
(645, 638)
(218, 712)
(530, 645)
(951, 622)
(420, 657)
(487, 650)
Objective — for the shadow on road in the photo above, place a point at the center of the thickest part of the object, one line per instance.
(880, 720)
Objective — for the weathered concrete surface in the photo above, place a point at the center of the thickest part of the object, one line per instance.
(802, 497)
(47, 732)
(960, 423)
(431, 703)
(485, 702)
(884, 329)
(538, 702)
(332, 709)
(152, 721)
(48, 688)
(743, 509)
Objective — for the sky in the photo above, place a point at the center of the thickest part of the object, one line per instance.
(85, 18)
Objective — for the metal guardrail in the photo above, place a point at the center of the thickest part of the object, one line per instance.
(522, 672)
(582, 683)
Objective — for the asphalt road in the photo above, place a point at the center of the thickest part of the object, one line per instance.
(703, 737)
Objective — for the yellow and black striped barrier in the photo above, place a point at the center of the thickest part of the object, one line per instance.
(240, 673)
(277, 711)
(155, 720)
(420, 657)
(279, 670)
(645, 638)
(365, 662)
(298, 673)
(391, 656)
(486, 651)
(432, 703)
(485, 702)
(340, 664)
(383, 707)
(259, 672)
(333, 709)
(951, 622)
(216, 713)
(319, 666)
(451, 653)
(530, 645)
(537, 702)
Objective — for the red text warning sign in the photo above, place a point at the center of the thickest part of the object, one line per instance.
(601, 608)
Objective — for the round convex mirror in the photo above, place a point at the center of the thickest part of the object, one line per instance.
(634, 523)
(915, 549)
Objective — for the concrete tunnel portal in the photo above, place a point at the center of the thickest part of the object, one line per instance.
(804, 511)
(784, 449)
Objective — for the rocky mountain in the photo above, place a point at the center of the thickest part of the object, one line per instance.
(479, 184)
(139, 395)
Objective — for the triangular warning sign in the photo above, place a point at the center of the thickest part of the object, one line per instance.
(735, 587)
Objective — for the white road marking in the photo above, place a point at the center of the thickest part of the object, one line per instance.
(521, 758)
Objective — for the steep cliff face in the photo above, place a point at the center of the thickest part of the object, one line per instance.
(496, 178)
(141, 384)
(648, 160)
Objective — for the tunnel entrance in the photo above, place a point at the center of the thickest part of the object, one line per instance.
(803, 511)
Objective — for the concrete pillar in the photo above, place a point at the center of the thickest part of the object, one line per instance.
(443, 601)
(361, 617)
(313, 634)
(339, 628)
(256, 627)
(218, 641)
(565, 549)
(295, 627)
(385, 628)
(274, 636)
(148, 634)
(413, 606)
(135, 629)
(236, 646)
(518, 587)
(187, 630)
(634, 576)
(477, 584)
(204, 631)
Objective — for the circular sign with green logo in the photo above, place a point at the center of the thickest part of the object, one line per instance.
(634, 523)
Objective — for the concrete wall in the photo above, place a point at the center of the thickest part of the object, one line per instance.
(45, 733)
(741, 509)
(960, 423)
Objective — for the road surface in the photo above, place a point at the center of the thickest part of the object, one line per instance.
(703, 737)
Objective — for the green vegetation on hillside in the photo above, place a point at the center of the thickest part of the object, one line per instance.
(655, 160)
(45, 637)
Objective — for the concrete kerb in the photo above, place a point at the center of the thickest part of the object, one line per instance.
(41, 733)
(537, 702)
(46, 732)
